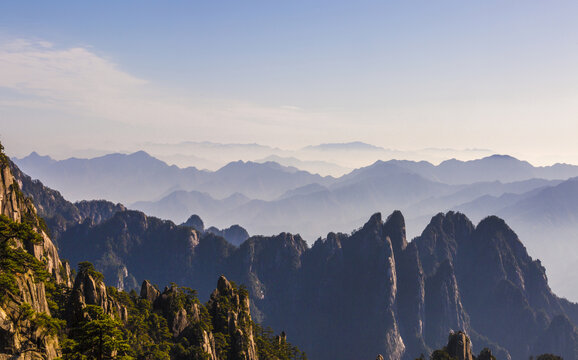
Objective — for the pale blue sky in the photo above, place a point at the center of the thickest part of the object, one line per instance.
(406, 75)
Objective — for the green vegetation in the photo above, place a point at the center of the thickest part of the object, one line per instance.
(275, 347)
(87, 267)
(3, 157)
(99, 336)
(148, 332)
(14, 260)
(548, 357)
(441, 355)
(36, 327)
(142, 334)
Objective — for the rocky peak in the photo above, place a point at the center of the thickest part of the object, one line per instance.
(495, 233)
(441, 238)
(149, 292)
(173, 308)
(89, 289)
(486, 354)
(460, 346)
(224, 287)
(229, 309)
(195, 222)
(374, 222)
(394, 227)
(234, 234)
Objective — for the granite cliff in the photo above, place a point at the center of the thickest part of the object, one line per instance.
(29, 264)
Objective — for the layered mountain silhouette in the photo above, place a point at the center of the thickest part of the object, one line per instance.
(139, 176)
(348, 295)
(268, 198)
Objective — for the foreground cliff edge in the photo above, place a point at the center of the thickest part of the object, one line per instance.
(46, 315)
(348, 296)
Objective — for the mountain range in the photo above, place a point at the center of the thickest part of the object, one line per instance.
(268, 198)
(333, 159)
(367, 292)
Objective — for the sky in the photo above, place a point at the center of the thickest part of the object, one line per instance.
(108, 76)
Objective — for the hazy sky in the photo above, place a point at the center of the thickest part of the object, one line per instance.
(114, 75)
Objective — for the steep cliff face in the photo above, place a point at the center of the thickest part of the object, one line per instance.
(29, 259)
(345, 278)
(411, 302)
(443, 305)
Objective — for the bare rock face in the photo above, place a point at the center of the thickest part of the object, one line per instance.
(149, 292)
(89, 289)
(230, 309)
(443, 306)
(167, 303)
(459, 346)
(560, 338)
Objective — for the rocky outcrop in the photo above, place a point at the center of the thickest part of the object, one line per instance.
(149, 292)
(229, 308)
(459, 346)
(173, 309)
(195, 222)
(184, 315)
(89, 289)
(440, 239)
(486, 354)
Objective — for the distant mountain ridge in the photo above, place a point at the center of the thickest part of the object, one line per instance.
(139, 176)
(354, 145)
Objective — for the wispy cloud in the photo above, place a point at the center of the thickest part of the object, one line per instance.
(79, 81)
(74, 76)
